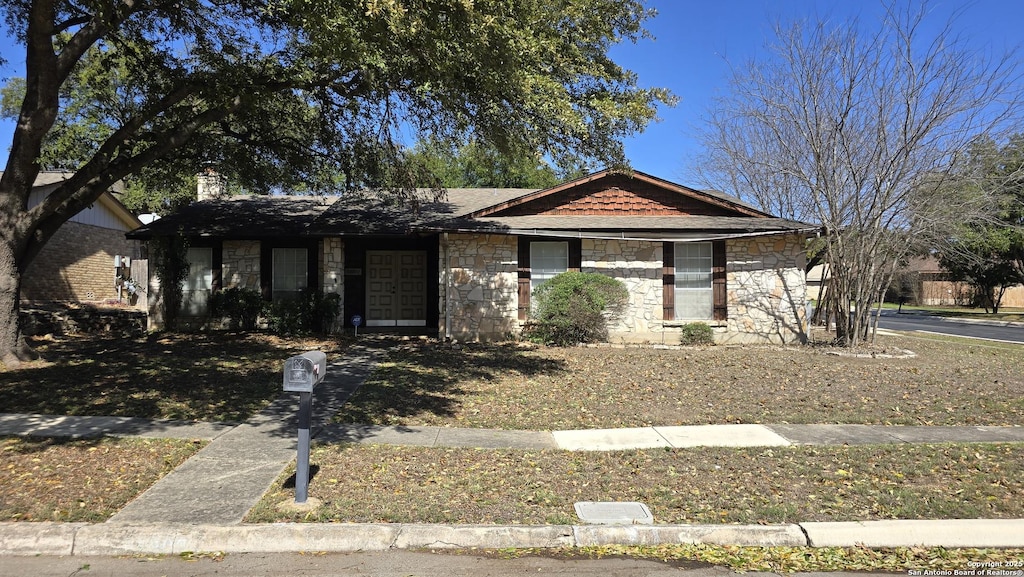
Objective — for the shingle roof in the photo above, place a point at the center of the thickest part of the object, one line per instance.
(240, 217)
(369, 215)
(636, 223)
(364, 215)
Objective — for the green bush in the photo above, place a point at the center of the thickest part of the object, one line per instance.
(288, 316)
(696, 334)
(310, 311)
(241, 306)
(574, 307)
(325, 311)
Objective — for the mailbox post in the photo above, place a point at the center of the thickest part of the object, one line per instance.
(302, 374)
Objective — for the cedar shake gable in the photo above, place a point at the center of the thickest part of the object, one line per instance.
(608, 193)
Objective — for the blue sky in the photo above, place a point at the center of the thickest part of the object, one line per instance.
(695, 42)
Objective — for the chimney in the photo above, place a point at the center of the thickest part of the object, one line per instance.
(211, 185)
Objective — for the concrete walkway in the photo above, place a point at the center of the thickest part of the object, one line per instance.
(220, 483)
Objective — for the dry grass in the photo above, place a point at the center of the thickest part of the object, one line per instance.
(59, 480)
(515, 387)
(208, 377)
(710, 485)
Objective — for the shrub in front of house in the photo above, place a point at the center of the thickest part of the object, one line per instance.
(241, 306)
(325, 308)
(696, 334)
(575, 307)
(309, 311)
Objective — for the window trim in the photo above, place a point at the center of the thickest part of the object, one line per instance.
(525, 272)
(719, 287)
(705, 291)
(210, 287)
(536, 245)
(267, 265)
(298, 258)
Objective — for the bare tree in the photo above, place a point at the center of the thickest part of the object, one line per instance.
(855, 130)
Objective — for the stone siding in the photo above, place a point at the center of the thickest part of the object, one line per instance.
(637, 264)
(766, 290)
(332, 265)
(77, 265)
(332, 274)
(484, 286)
(240, 265)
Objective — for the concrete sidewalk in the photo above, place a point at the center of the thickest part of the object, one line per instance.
(278, 421)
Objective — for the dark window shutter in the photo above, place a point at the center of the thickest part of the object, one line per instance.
(524, 278)
(266, 270)
(720, 294)
(313, 266)
(218, 264)
(668, 281)
(575, 254)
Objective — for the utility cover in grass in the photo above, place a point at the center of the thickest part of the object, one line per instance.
(614, 513)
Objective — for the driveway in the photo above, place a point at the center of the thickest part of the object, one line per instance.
(990, 330)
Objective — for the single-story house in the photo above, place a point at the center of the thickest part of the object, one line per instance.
(77, 263)
(465, 267)
(935, 288)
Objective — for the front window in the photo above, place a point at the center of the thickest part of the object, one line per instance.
(290, 274)
(547, 259)
(693, 297)
(196, 289)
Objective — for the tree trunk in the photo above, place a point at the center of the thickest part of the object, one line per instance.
(13, 348)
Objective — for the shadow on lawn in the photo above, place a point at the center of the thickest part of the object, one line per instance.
(208, 377)
(425, 379)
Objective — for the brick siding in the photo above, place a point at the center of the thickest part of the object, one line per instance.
(77, 265)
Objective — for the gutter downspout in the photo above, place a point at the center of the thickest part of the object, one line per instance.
(447, 290)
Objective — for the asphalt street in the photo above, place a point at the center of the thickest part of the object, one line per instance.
(911, 322)
(376, 564)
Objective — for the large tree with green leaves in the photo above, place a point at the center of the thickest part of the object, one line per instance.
(475, 165)
(298, 93)
(989, 255)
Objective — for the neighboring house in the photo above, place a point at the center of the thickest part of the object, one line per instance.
(465, 267)
(931, 285)
(77, 263)
(936, 288)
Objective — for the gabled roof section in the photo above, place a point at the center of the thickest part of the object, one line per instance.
(47, 181)
(611, 194)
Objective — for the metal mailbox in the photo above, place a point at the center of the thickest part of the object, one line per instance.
(305, 371)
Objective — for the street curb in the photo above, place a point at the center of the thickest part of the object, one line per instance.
(908, 533)
(742, 535)
(38, 538)
(47, 538)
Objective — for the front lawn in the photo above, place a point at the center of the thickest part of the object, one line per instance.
(379, 483)
(90, 480)
(206, 377)
(514, 386)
